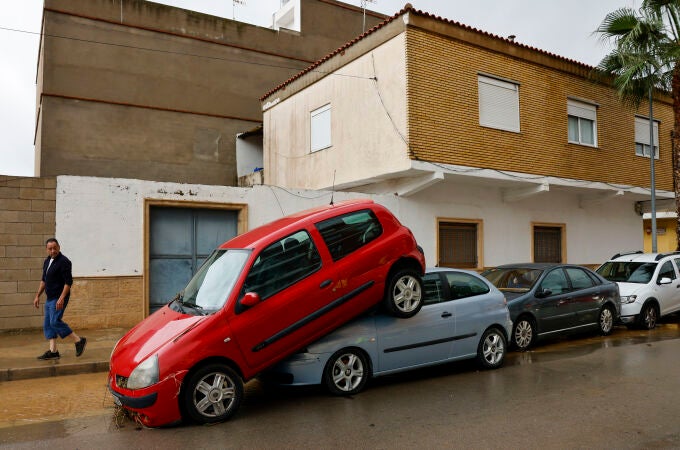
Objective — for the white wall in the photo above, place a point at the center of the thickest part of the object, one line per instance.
(100, 220)
(368, 124)
(288, 16)
(248, 155)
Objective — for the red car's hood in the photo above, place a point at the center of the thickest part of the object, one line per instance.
(148, 336)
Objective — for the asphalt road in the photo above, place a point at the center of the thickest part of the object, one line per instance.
(622, 391)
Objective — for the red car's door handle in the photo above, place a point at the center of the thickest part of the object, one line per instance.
(325, 283)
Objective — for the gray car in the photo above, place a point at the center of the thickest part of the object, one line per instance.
(463, 316)
(555, 299)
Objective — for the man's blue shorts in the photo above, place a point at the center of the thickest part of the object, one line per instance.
(53, 325)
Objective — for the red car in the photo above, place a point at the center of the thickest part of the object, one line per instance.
(256, 300)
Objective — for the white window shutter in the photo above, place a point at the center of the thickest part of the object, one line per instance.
(580, 109)
(320, 128)
(498, 104)
(642, 131)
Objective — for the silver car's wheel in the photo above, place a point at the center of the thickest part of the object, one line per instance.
(346, 372)
(648, 317)
(213, 394)
(606, 321)
(404, 296)
(525, 333)
(491, 349)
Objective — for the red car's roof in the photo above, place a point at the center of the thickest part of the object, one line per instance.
(286, 224)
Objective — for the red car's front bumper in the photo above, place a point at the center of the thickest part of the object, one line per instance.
(156, 405)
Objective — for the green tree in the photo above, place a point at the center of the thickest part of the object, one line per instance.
(646, 56)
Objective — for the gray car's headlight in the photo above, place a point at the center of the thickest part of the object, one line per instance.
(145, 374)
(628, 298)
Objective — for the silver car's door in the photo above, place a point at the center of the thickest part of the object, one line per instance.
(422, 339)
(473, 311)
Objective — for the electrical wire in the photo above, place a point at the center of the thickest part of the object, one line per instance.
(178, 53)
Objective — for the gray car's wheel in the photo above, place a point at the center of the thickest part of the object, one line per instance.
(606, 320)
(524, 333)
(404, 293)
(491, 349)
(212, 394)
(648, 316)
(346, 372)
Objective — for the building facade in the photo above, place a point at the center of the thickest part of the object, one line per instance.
(487, 137)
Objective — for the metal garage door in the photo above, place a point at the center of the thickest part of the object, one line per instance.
(180, 239)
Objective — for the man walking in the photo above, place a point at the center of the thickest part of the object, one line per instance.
(56, 283)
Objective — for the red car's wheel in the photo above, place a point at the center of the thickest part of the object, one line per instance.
(404, 294)
(212, 394)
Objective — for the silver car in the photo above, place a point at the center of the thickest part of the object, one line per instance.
(463, 316)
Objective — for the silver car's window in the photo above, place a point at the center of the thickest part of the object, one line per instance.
(432, 289)
(464, 285)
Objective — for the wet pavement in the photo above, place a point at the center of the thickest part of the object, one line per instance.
(19, 350)
(620, 391)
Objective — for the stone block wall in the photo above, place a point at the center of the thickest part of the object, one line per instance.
(106, 302)
(27, 219)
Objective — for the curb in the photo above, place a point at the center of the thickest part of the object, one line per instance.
(53, 370)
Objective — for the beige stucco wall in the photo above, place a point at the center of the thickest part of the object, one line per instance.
(368, 124)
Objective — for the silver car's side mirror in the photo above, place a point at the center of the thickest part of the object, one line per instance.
(665, 280)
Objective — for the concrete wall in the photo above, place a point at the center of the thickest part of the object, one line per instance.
(368, 124)
(142, 90)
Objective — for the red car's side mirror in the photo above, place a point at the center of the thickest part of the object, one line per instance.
(250, 299)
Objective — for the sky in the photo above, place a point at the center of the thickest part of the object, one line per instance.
(562, 27)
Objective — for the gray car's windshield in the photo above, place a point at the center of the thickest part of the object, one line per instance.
(211, 285)
(628, 271)
(513, 279)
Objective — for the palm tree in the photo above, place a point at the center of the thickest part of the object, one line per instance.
(646, 56)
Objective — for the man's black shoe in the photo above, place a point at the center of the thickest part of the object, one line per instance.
(49, 355)
(80, 346)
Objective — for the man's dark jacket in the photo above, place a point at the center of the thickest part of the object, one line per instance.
(57, 276)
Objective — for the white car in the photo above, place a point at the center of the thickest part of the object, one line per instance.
(649, 284)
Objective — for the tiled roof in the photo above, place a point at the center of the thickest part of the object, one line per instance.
(408, 8)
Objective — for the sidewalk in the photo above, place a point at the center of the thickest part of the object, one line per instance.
(19, 351)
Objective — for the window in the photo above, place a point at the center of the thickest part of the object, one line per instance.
(642, 137)
(498, 103)
(344, 234)
(283, 263)
(579, 278)
(465, 285)
(582, 123)
(432, 289)
(320, 128)
(666, 271)
(548, 243)
(556, 281)
(459, 244)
